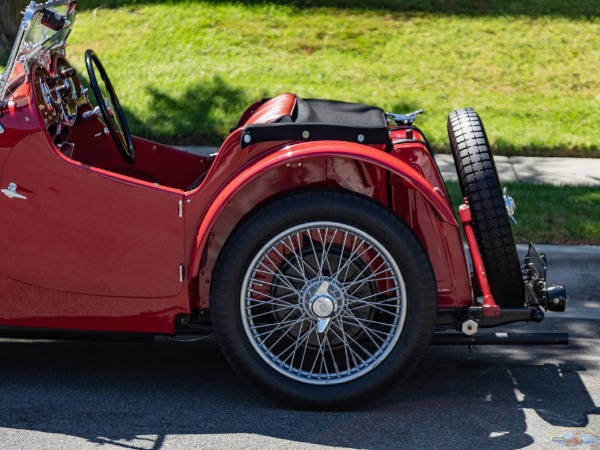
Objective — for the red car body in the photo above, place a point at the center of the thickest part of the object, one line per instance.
(91, 242)
(83, 245)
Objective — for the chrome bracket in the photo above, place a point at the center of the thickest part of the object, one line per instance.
(510, 205)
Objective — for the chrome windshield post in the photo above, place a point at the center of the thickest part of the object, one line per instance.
(27, 15)
(24, 50)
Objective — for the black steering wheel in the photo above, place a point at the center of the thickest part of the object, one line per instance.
(110, 107)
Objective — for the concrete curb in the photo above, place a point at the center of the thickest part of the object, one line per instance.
(520, 169)
(525, 169)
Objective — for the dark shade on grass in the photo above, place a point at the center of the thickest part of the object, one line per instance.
(549, 214)
(533, 8)
(189, 118)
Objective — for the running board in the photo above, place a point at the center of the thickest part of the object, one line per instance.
(73, 335)
(501, 339)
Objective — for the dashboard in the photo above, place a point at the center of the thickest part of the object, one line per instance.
(60, 98)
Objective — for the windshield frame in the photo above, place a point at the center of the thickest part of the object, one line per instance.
(25, 52)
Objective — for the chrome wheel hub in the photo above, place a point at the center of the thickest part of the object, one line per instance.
(322, 298)
(323, 306)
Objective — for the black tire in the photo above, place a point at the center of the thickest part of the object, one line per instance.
(480, 184)
(302, 312)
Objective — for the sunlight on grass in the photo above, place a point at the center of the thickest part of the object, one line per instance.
(551, 214)
(533, 80)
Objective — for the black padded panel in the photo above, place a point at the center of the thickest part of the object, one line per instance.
(315, 119)
(339, 113)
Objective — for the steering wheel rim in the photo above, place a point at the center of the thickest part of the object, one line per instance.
(110, 108)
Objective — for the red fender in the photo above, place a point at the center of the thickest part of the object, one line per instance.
(303, 151)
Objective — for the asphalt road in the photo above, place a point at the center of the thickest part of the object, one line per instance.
(173, 395)
(168, 395)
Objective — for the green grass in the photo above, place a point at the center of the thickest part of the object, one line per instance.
(551, 214)
(186, 70)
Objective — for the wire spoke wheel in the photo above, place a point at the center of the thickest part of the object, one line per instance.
(324, 302)
(323, 299)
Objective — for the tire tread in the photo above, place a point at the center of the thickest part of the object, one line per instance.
(481, 186)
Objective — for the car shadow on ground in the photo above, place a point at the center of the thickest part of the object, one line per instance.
(118, 393)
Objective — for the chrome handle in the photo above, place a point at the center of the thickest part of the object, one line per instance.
(404, 119)
(11, 192)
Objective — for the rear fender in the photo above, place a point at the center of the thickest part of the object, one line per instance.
(296, 154)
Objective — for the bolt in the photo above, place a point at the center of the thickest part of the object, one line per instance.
(469, 327)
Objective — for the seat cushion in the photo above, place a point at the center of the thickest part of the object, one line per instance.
(274, 109)
(332, 112)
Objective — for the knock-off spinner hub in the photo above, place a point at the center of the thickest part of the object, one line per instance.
(322, 297)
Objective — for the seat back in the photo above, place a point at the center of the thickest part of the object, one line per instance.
(274, 109)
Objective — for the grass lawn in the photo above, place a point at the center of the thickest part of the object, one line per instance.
(185, 70)
(551, 214)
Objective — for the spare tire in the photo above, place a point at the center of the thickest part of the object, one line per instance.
(480, 185)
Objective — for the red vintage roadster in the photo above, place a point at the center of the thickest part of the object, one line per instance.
(319, 244)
